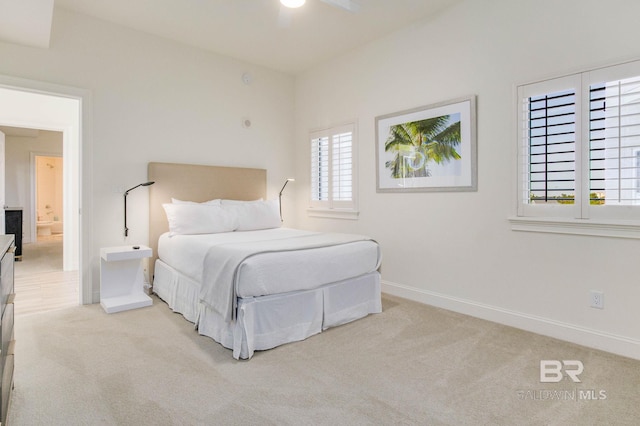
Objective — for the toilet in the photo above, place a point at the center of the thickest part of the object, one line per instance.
(56, 227)
(44, 227)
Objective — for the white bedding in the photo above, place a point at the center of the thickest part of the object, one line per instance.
(186, 253)
(272, 273)
(269, 321)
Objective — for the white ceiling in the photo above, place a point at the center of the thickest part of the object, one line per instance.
(262, 31)
(26, 22)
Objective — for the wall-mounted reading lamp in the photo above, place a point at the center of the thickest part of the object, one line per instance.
(126, 230)
(280, 195)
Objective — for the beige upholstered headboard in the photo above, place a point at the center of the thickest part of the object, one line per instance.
(190, 182)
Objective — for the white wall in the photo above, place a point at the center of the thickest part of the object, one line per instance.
(155, 100)
(18, 171)
(457, 250)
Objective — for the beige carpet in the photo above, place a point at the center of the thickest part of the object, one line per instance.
(411, 364)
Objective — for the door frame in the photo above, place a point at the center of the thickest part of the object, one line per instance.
(77, 138)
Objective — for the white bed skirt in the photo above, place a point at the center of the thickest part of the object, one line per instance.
(269, 321)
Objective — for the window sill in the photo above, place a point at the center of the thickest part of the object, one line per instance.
(617, 229)
(333, 213)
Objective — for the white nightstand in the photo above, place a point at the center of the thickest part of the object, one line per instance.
(122, 278)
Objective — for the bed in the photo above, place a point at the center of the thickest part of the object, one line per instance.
(281, 285)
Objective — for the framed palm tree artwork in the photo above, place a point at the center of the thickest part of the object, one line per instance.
(431, 148)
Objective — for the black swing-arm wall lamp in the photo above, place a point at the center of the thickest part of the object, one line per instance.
(126, 230)
(280, 195)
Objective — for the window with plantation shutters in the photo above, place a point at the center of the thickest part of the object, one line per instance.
(614, 137)
(579, 151)
(551, 120)
(332, 169)
(549, 149)
(320, 169)
(342, 171)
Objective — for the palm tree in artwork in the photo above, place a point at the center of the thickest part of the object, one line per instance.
(418, 142)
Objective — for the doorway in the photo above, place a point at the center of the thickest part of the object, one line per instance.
(34, 186)
(36, 105)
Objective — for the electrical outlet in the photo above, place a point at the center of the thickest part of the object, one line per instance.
(597, 299)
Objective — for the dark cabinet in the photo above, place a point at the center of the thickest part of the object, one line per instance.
(7, 342)
(13, 225)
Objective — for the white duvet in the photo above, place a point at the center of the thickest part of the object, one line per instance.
(272, 272)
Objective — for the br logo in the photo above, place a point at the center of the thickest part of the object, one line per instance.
(551, 370)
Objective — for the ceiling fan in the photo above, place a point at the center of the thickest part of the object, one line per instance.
(348, 5)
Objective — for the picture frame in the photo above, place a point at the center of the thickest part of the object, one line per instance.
(428, 149)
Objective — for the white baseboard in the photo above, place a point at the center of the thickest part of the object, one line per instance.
(608, 342)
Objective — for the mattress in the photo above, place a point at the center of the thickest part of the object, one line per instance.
(272, 272)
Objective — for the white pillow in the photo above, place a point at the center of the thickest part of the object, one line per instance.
(254, 215)
(196, 218)
(211, 202)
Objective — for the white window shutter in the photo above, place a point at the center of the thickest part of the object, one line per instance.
(333, 168)
(320, 171)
